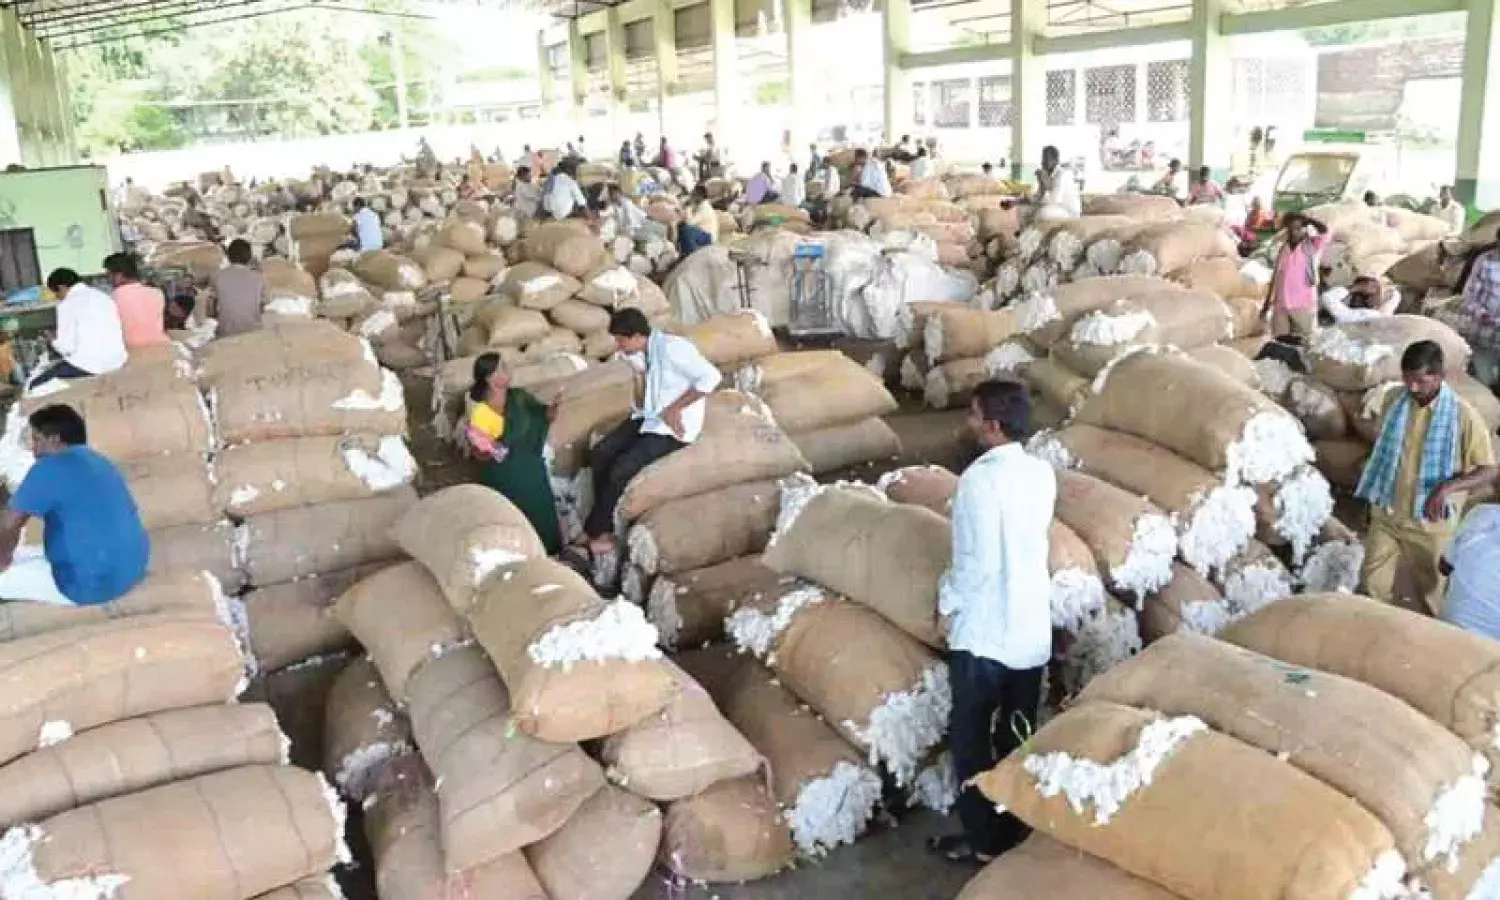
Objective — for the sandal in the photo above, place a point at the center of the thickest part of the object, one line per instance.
(956, 848)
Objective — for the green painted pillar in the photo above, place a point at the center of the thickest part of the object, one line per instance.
(1478, 184)
(727, 99)
(10, 135)
(578, 63)
(1028, 86)
(614, 57)
(664, 34)
(65, 100)
(1210, 84)
(56, 152)
(801, 74)
(896, 27)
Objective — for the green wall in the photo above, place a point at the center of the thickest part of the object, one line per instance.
(36, 122)
(68, 208)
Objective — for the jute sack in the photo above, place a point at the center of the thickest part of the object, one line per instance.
(273, 349)
(846, 661)
(1172, 245)
(363, 730)
(267, 476)
(498, 788)
(960, 332)
(761, 374)
(931, 487)
(236, 833)
(1445, 672)
(324, 887)
(740, 442)
(689, 608)
(1357, 356)
(555, 341)
(170, 490)
(581, 256)
(1067, 242)
(1188, 603)
(604, 852)
(1162, 397)
(1422, 271)
(341, 295)
(320, 224)
(594, 400)
(1220, 275)
(285, 275)
(309, 399)
(1141, 207)
(536, 286)
(465, 291)
(949, 385)
(543, 238)
(733, 831)
(822, 783)
(1365, 410)
(389, 271)
(168, 418)
(191, 549)
(1056, 384)
(135, 754)
(681, 750)
(204, 259)
(705, 529)
(72, 680)
(833, 393)
(1342, 461)
(400, 617)
(1046, 317)
(180, 595)
(839, 447)
(484, 266)
(510, 326)
(1318, 844)
(1228, 361)
(577, 667)
(1043, 867)
(1393, 760)
(464, 533)
(579, 316)
(649, 297)
(293, 621)
(295, 543)
(1475, 863)
(729, 339)
(887, 556)
(465, 236)
(298, 693)
(1132, 539)
(614, 288)
(403, 825)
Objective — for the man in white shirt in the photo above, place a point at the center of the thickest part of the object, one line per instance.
(1450, 210)
(563, 198)
(793, 188)
(527, 194)
(669, 417)
(1361, 301)
(921, 167)
(995, 600)
(1470, 561)
(629, 218)
(367, 232)
(90, 340)
(873, 182)
(831, 181)
(1057, 189)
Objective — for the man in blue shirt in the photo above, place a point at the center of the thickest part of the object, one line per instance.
(94, 547)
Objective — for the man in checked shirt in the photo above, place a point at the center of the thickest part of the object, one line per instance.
(1481, 315)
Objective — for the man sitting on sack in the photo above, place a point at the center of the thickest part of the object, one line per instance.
(1432, 450)
(669, 416)
(94, 546)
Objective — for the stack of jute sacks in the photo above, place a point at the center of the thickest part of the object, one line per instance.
(1372, 240)
(489, 665)
(946, 347)
(1349, 743)
(129, 770)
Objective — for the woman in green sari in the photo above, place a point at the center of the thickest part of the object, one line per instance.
(507, 427)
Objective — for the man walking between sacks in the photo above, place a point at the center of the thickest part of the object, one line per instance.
(668, 417)
(1293, 299)
(994, 597)
(1433, 449)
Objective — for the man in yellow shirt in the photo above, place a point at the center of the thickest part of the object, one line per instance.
(1432, 450)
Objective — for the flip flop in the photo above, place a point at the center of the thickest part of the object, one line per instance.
(956, 848)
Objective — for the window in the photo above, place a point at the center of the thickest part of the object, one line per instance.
(1109, 95)
(919, 103)
(1062, 97)
(951, 100)
(994, 102)
(1167, 91)
(595, 50)
(694, 27)
(640, 39)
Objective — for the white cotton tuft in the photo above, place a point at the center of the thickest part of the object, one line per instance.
(1045, 446)
(749, 377)
(358, 768)
(907, 724)
(300, 307)
(1138, 262)
(1007, 279)
(1006, 359)
(1272, 446)
(932, 337)
(797, 490)
(912, 378)
(1456, 816)
(1065, 248)
(634, 583)
(1109, 636)
(1029, 243)
(1275, 377)
(1304, 502)
(340, 812)
(1206, 618)
(1256, 271)
(1386, 880)
(834, 809)
(1148, 562)
(53, 732)
(1107, 786)
(377, 324)
(1103, 329)
(1085, 270)
(1074, 595)
(1336, 344)
(640, 545)
(19, 879)
(1488, 885)
(485, 560)
(935, 787)
(936, 391)
(1218, 527)
(1257, 585)
(662, 611)
(619, 632)
(755, 632)
(1333, 566)
(1036, 310)
(391, 398)
(390, 466)
(15, 450)
(1038, 277)
(1104, 254)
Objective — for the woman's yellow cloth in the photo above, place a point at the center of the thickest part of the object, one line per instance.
(486, 421)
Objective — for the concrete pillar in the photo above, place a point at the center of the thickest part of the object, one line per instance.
(801, 73)
(1478, 184)
(65, 101)
(56, 150)
(614, 57)
(10, 136)
(547, 83)
(1210, 86)
(727, 98)
(579, 74)
(1028, 86)
(896, 28)
(664, 31)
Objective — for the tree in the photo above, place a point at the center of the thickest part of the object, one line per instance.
(423, 54)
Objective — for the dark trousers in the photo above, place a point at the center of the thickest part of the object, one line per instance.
(59, 370)
(987, 696)
(860, 192)
(616, 459)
